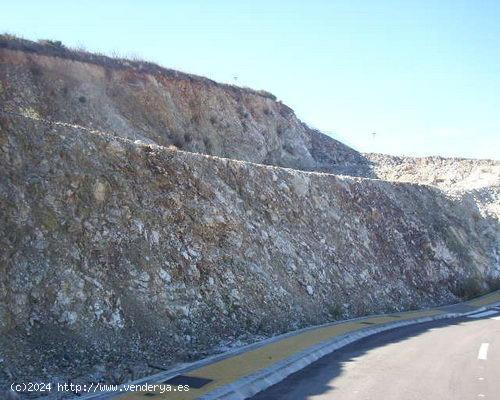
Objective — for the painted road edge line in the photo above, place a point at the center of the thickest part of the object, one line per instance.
(483, 351)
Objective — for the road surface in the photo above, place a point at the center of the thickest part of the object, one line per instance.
(450, 359)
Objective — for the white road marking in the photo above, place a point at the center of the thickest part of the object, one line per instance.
(483, 351)
(482, 314)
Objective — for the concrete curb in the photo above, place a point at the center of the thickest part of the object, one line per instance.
(255, 383)
(261, 380)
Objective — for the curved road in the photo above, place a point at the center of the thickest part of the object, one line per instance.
(451, 359)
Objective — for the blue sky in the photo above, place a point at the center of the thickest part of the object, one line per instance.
(424, 75)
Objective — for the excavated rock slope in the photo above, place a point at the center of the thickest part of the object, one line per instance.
(118, 253)
(144, 102)
(112, 250)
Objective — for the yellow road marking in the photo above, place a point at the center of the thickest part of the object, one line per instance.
(231, 369)
(226, 371)
(488, 299)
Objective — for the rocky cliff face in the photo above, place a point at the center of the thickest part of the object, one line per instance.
(124, 248)
(114, 246)
(143, 102)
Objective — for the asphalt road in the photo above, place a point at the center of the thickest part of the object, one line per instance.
(442, 360)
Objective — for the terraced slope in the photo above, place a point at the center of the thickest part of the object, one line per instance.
(146, 218)
(112, 250)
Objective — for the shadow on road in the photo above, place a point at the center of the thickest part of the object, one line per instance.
(308, 382)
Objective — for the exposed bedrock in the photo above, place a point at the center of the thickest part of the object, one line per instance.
(112, 250)
(147, 218)
(168, 108)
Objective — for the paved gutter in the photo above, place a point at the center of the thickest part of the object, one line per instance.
(243, 372)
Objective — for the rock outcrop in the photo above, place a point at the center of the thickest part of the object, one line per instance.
(115, 245)
(150, 104)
